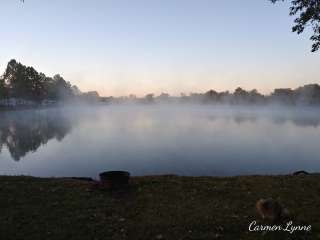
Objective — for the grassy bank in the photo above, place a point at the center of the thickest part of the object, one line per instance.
(160, 207)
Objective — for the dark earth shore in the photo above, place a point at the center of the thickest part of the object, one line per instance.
(154, 207)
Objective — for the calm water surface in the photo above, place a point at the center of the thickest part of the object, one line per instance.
(185, 140)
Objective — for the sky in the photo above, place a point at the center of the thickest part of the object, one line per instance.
(122, 47)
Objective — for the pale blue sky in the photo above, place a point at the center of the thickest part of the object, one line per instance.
(140, 46)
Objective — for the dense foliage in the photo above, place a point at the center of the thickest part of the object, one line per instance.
(309, 15)
(306, 95)
(20, 81)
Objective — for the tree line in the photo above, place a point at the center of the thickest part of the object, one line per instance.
(307, 95)
(20, 81)
(23, 82)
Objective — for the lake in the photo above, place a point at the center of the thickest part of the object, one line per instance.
(159, 139)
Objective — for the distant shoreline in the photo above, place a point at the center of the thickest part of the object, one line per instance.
(159, 103)
(299, 173)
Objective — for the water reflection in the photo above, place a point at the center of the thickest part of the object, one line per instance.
(22, 132)
(185, 140)
(297, 117)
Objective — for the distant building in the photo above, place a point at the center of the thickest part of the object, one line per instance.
(283, 95)
(92, 96)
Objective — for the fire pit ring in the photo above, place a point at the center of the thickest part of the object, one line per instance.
(115, 179)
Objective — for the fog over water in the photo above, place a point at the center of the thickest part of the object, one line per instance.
(181, 139)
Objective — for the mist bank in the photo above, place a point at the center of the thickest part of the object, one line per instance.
(307, 95)
(146, 139)
(22, 86)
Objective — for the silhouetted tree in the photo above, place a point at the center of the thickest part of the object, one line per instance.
(75, 90)
(35, 84)
(211, 96)
(149, 97)
(164, 97)
(20, 81)
(240, 96)
(309, 15)
(255, 97)
(225, 97)
(3, 90)
(132, 97)
(14, 78)
(61, 88)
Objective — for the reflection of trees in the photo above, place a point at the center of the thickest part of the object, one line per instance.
(308, 122)
(25, 131)
(298, 120)
(238, 118)
(279, 119)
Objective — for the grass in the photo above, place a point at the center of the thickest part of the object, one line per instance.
(155, 207)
